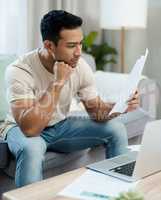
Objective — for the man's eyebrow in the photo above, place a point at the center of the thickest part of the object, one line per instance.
(75, 42)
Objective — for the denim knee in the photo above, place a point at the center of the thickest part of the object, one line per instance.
(118, 142)
(32, 149)
(115, 130)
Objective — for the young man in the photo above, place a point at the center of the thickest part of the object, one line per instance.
(40, 87)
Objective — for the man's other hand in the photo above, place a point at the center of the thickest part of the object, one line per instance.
(62, 72)
(134, 102)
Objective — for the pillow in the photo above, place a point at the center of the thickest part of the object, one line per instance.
(5, 60)
(109, 84)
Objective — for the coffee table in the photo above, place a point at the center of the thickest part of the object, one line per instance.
(48, 189)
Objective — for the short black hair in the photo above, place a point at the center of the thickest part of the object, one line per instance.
(55, 21)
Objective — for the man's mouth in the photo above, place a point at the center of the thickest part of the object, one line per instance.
(74, 62)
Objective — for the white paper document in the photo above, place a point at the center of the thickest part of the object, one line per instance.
(96, 186)
(130, 85)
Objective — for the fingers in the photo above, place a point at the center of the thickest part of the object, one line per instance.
(67, 66)
(62, 65)
(134, 102)
(113, 115)
(132, 107)
(62, 71)
(135, 99)
(134, 96)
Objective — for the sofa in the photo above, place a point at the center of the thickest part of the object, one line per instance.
(108, 85)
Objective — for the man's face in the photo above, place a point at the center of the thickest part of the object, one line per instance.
(69, 46)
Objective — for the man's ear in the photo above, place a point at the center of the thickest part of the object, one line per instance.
(49, 46)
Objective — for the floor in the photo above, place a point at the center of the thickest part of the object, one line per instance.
(92, 156)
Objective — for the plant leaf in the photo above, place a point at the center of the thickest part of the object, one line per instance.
(89, 40)
(103, 53)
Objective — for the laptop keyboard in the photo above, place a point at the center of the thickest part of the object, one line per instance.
(126, 169)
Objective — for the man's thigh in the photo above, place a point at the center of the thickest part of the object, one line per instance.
(78, 133)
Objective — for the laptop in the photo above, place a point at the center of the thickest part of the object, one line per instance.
(133, 165)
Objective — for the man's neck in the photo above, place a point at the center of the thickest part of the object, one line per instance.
(46, 59)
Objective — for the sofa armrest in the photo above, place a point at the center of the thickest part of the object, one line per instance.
(135, 121)
(109, 85)
(149, 96)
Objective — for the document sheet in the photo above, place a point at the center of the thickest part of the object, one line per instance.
(130, 85)
(96, 186)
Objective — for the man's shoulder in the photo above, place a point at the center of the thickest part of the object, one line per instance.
(28, 58)
(22, 64)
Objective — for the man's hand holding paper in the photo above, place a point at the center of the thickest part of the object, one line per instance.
(134, 102)
(129, 96)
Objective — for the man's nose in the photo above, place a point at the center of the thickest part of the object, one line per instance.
(78, 50)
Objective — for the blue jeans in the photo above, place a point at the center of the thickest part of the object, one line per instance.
(69, 135)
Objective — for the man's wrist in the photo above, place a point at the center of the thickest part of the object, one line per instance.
(109, 106)
(57, 85)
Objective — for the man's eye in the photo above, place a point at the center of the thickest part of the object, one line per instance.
(71, 46)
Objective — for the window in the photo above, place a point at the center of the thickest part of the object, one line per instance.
(13, 26)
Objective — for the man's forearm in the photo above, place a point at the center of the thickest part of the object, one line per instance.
(36, 118)
(98, 110)
(101, 113)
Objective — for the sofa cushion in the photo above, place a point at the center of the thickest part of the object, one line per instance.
(135, 121)
(52, 160)
(4, 154)
(4, 61)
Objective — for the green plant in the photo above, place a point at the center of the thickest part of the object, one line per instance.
(130, 195)
(102, 53)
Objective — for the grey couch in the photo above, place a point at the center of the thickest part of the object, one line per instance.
(56, 163)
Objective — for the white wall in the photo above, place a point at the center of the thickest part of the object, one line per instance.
(89, 11)
(36, 9)
(137, 40)
(153, 68)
